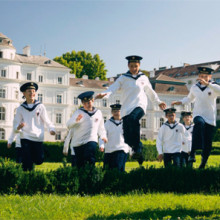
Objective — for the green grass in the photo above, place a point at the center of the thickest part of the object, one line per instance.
(132, 206)
(214, 160)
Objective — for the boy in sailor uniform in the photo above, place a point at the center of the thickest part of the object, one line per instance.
(66, 147)
(116, 150)
(29, 120)
(133, 85)
(186, 145)
(87, 123)
(169, 139)
(18, 153)
(203, 94)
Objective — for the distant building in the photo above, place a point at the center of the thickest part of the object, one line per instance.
(58, 90)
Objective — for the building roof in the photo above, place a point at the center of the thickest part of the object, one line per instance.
(5, 41)
(37, 60)
(185, 71)
(161, 84)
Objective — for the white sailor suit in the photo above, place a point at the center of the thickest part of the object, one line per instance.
(169, 142)
(204, 117)
(116, 150)
(32, 134)
(86, 132)
(134, 104)
(186, 146)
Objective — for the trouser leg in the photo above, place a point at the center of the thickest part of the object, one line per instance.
(167, 158)
(176, 159)
(27, 161)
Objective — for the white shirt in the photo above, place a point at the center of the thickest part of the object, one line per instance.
(34, 122)
(133, 92)
(204, 101)
(14, 135)
(187, 144)
(67, 142)
(90, 126)
(115, 137)
(170, 138)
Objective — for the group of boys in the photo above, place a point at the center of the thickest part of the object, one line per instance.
(119, 134)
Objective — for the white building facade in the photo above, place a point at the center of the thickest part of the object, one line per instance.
(58, 91)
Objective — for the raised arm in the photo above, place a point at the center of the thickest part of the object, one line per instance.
(76, 119)
(159, 143)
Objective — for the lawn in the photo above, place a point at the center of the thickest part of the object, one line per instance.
(214, 160)
(132, 206)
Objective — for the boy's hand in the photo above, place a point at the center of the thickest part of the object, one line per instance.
(162, 105)
(80, 116)
(101, 149)
(100, 96)
(65, 154)
(8, 146)
(105, 140)
(203, 82)
(160, 157)
(176, 103)
(21, 125)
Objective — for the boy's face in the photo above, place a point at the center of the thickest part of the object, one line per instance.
(29, 94)
(187, 119)
(116, 113)
(134, 67)
(88, 105)
(206, 77)
(171, 117)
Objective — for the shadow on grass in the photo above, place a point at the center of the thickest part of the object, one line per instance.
(163, 214)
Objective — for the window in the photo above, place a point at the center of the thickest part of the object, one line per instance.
(59, 99)
(60, 80)
(117, 101)
(2, 93)
(105, 119)
(143, 137)
(218, 100)
(17, 75)
(40, 97)
(143, 123)
(1, 54)
(218, 112)
(104, 102)
(3, 73)
(2, 134)
(217, 80)
(58, 136)
(28, 76)
(40, 78)
(16, 95)
(171, 89)
(2, 113)
(161, 121)
(75, 101)
(58, 118)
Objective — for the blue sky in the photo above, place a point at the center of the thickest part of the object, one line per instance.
(163, 32)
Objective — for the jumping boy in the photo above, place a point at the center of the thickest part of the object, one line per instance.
(203, 94)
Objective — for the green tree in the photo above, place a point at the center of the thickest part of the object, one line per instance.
(82, 63)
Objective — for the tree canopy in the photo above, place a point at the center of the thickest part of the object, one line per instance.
(83, 63)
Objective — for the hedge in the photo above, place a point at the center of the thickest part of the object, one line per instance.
(53, 151)
(95, 180)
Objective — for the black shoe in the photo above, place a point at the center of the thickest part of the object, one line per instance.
(202, 166)
(139, 157)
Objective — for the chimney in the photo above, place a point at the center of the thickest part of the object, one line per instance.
(186, 64)
(72, 76)
(111, 79)
(97, 78)
(171, 67)
(27, 51)
(152, 73)
(85, 77)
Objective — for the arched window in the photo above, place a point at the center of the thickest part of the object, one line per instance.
(2, 134)
(161, 121)
(2, 113)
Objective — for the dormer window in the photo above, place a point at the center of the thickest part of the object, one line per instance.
(171, 89)
(80, 83)
(47, 62)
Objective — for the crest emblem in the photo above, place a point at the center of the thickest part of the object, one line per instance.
(96, 120)
(38, 113)
(176, 130)
(209, 93)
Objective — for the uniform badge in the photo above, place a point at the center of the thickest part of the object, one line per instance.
(96, 120)
(142, 83)
(209, 93)
(176, 130)
(38, 113)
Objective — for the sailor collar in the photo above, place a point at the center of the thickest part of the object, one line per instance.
(171, 127)
(128, 74)
(114, 122)
(25, 105)
(90, 113)
(202, 88)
